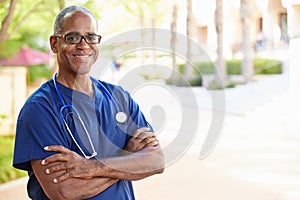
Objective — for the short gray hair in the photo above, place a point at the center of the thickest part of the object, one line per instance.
(59, 18)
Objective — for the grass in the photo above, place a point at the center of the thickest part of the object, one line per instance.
(7, 172)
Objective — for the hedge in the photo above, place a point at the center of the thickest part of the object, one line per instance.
(7, 172)
(234, 67)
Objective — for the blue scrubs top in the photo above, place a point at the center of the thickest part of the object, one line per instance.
(40, 124)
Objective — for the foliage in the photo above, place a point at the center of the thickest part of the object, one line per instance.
(32, 23)
(39, 72)
(267, 66)
(234, 67)
(7, 172)
(147, 10)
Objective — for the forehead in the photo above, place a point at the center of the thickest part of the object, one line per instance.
(79, 22)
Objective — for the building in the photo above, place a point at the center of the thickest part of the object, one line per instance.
(269, 24)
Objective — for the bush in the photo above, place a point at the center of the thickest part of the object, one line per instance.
(267, 66)
(39, 71)
(7, 172)
(234, 67)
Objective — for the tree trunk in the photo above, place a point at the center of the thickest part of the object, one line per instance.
(4, 35)
(188, 71)
(153, 51)
(220, 69)
(142, 25)
(247, 65)
(175, 71)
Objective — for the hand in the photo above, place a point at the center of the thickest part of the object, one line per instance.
(74, 165)
(141, 139)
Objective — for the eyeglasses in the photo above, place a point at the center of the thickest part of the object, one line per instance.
(76, 39)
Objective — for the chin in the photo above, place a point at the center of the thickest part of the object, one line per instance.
(83, 70)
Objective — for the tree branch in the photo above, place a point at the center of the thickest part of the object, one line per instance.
(4, 35)
(17, 27)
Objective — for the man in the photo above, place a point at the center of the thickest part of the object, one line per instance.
(95, 157)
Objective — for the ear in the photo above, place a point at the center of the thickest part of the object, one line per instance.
(53, 43)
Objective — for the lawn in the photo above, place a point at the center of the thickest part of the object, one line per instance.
(7, 172)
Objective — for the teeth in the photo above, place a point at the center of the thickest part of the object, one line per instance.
(82, 56)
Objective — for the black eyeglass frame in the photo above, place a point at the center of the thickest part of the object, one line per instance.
(81, 37)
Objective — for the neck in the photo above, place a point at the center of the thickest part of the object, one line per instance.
(81, 83)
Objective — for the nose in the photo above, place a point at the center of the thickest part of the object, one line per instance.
(82, 44)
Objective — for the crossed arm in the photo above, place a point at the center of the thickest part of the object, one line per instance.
(67, 175)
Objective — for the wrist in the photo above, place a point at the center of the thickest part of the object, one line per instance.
(95, 167)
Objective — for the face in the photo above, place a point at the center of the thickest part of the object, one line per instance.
(76, 58)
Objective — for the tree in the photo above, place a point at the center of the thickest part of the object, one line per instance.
(175, 71)
(150, 12)
(31, 26)
(188, 69)
(8, 19)
(4, 35)
(14, 32)
(61, 4)
(247, 65)
(220, 68)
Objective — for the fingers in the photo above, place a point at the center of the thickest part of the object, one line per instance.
(140, 130)
(67, 162)
(60, 157)
(148, 139)
(150, 142)
(59, 167)
(54, 158)
(63, 177)
(140, 139)
(57, 148)
(142, 134)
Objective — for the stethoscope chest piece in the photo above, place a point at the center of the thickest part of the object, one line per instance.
(121, 117)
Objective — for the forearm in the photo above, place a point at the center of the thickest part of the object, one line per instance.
(143, 158)
(76, 188)
(73, 188)
(134, 166)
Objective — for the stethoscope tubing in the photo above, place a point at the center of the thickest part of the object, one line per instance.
(107, 93)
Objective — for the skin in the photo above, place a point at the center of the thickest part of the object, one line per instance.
(75, 60)
(67, 175)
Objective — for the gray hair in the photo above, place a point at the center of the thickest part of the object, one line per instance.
(59, 18)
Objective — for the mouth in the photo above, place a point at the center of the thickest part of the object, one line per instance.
(80, 56)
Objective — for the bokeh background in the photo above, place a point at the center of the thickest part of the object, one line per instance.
(245, 50)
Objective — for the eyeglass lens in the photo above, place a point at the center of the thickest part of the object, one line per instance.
(76, 39)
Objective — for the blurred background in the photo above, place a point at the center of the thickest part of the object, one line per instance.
(251, 52)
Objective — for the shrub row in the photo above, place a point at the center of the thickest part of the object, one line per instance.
(234, 67)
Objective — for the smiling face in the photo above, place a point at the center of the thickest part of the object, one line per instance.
(75, 58)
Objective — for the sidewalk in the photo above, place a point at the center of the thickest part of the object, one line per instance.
(14, 190)
(257, 156)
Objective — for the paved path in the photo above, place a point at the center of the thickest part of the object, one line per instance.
(257, 157)
(14, 190)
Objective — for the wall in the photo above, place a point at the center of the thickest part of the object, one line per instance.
(13, 89)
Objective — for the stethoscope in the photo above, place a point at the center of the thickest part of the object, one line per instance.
(120, 116)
